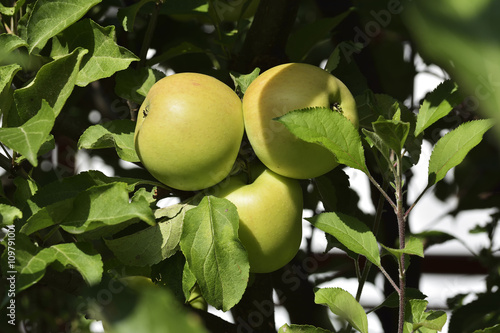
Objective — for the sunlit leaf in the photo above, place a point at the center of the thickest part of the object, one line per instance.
(330, 129)
(29, 137)
(49, 17)
(343, 305)
(60, 75)
(452, 148)
(437, 104)
(352, 233)
(104, 58)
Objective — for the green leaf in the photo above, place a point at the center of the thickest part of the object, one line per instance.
(330, 129)
(416, 317)
(103, 206)
(372, 107)
(343, 305)
(8, 214)
(7, 73)
(153, 244)
(79, 256)
(70, 187)
(50, 17)
(60, 75)
(214, 252)
(10, 11)
(333, 60)
(413, 246)
(126, 15)
(104, 58)
(144, 307)
(351, 232)
(307, 36)
(301, 329)
(437, 105)
(392, 132)
(99, 206)
(29, 137)
(9, 43)
(242, 81)
(374, 140)
(118, 134)
(452, 148)
(134, 84)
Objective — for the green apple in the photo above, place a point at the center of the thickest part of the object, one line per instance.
(282, 89)
(189, 130)
(270, 212)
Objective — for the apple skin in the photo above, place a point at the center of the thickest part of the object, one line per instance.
(270, 211)
(282, 89)
(189, 131)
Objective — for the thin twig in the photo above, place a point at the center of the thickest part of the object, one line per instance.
(381, 190)
(402, 229)
(391, 281)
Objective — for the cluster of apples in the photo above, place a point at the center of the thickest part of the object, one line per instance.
(189, 132)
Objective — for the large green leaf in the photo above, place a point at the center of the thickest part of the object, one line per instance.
(79, 256)
(330, 129)
(214, 252)
(99, 206)
(70, 187)
(54, 83)
(104, 58)
(343, 305)
(29, 137)
(351, 232)
(452, 148)
(50, 17)
(153, 244)
(118, 134)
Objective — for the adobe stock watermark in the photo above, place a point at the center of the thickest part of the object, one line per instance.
(11, 273)
(372, 29)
